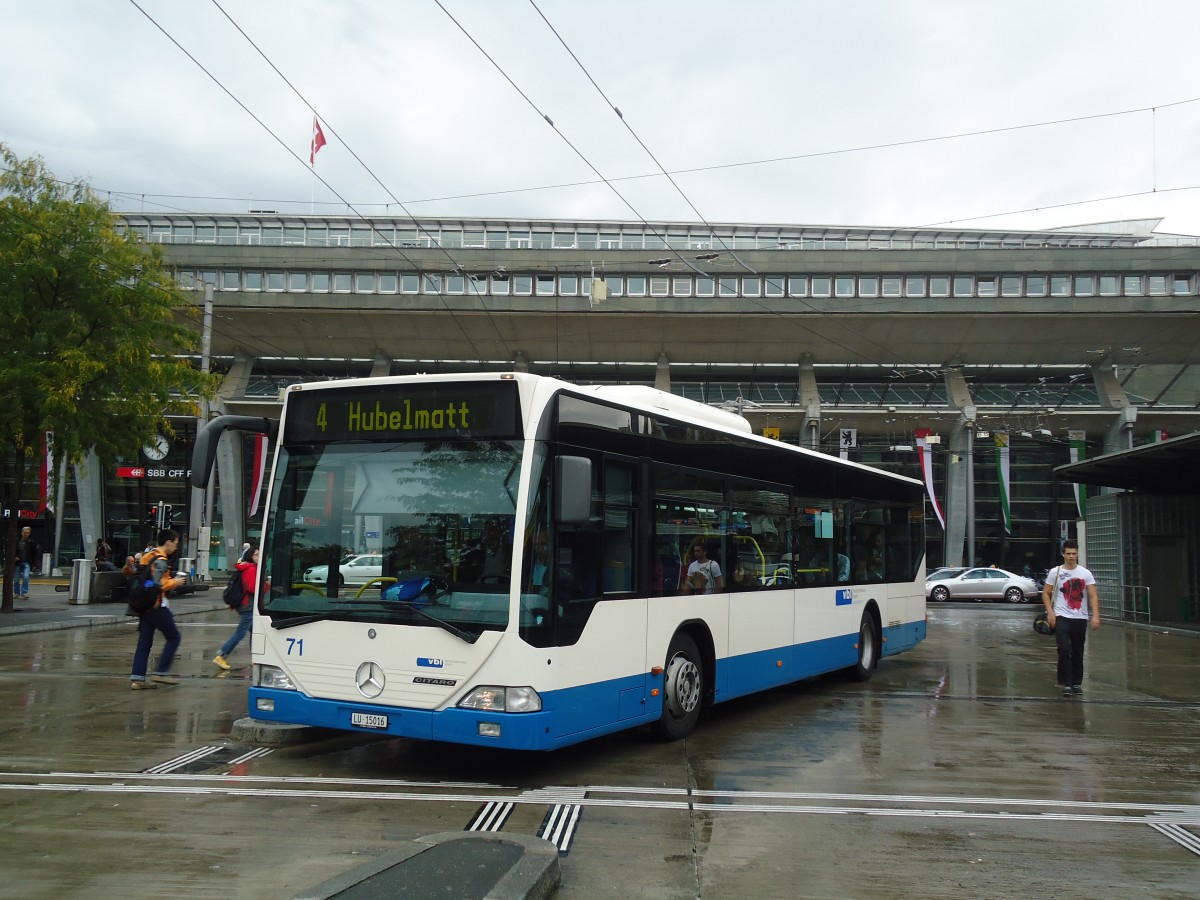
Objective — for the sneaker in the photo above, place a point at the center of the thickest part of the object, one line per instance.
(142, 685)
(1068, 691)
(1076, 689)
(219, 660)
(164, 679)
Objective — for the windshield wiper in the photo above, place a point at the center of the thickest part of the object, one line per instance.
(469, 636)
(304, 620)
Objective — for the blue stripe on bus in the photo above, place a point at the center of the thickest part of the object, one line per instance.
(898, 638)
(580, 713)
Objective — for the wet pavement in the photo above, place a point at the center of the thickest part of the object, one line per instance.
(957, 771)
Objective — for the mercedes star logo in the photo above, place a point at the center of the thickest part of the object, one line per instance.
(370, 680)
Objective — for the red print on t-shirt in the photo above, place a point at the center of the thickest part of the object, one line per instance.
(1072, 590)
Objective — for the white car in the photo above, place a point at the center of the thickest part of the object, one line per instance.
(356, 570)
(980, 584)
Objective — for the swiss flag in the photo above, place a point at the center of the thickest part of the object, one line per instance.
(318, 141)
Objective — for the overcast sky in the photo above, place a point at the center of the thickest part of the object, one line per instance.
(768, 103)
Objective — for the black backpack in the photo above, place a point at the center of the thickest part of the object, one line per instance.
(140, 589)
(235, 591)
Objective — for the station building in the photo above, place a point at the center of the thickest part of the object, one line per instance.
(977, 360)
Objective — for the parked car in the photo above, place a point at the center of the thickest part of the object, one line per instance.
(981, 584)
(356, 570)
(944, 572)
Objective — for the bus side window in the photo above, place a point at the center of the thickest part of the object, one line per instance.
(664, 579)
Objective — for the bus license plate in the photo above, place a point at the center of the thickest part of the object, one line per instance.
(368, 720)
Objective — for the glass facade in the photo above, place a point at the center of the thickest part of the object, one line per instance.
(798, 280)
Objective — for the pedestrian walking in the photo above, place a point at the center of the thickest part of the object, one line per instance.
(26, 556)
(1071, 598)
(159, 616)
(248, 566)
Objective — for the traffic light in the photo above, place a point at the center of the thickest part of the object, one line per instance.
(168, 516)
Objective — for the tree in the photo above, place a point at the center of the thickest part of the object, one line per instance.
(95, 336)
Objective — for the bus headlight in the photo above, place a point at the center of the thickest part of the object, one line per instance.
(272, 677)
(502, 699)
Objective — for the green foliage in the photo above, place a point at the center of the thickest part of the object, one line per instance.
(92, 326)
(94, 333)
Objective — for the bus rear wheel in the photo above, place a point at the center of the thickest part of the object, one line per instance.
(868, 650)
(683, 690)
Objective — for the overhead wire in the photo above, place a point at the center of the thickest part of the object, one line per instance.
(580, 154)
(33, 226)
(549, 121)
(757, 162)
(567, 141)
(342, 142)
(608, 181)
(767, 280)
(312, 171)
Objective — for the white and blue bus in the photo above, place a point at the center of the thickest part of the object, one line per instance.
(557, 562)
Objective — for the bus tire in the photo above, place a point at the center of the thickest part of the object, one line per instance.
(683, 689)
(868, 650)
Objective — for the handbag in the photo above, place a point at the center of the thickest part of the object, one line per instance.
(1040, 625)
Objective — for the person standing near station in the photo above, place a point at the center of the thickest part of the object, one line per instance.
(104, 562)
(248, 566)
(26, 557)
(159, 616)
(1070, 597)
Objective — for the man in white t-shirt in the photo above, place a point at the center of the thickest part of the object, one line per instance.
(1071, 598)
(704, 574)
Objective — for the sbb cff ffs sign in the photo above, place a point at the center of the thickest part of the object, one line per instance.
(142, 472)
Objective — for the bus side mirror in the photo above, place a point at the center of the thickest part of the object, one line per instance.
(204, 451)
(573, 477)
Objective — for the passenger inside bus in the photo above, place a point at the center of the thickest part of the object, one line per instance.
(704, 573)
(664, 577)
(743, 578)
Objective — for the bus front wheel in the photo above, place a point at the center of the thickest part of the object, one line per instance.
(868, 650)
(683, 689)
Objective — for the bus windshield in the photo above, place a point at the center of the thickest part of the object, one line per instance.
(415, 532)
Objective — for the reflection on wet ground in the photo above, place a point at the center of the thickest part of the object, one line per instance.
(958, 770)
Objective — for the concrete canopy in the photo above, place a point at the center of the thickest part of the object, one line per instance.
(1167, 467)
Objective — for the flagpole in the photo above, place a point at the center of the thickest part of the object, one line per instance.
(318, 141)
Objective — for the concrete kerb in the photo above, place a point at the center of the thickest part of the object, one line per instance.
(53, 611)
(249, 730)
(462, 864)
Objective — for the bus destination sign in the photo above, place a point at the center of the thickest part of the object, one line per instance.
(403, 412)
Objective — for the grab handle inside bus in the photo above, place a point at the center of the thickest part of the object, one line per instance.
(205, 451)
(574, 477)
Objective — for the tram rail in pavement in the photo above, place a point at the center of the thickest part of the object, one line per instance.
(464, 864)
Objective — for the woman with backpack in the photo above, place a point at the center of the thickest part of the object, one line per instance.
(248, 567)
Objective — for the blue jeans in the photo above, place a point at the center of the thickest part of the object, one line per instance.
(157, 619)
(245, 621)
(22, 588)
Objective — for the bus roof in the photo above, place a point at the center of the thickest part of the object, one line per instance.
(633, 396)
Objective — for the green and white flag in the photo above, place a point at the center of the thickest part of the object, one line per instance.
(1003, 478)
(1078, 442)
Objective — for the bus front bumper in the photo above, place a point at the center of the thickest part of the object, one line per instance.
(514, 731)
